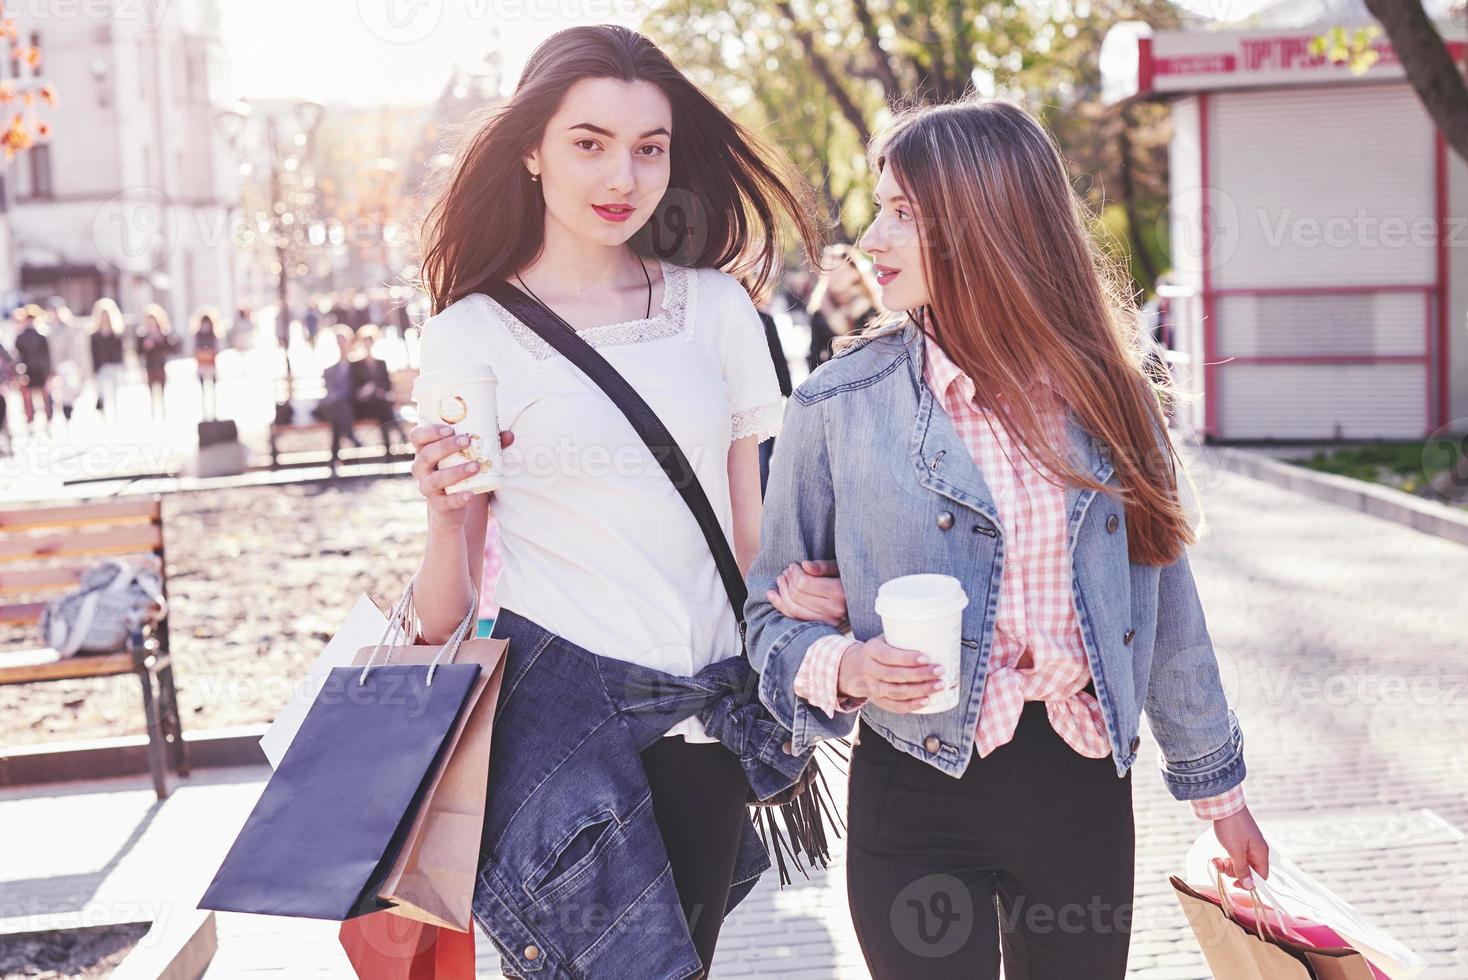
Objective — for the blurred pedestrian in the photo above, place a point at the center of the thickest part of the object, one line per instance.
(206, 350)
(9, 373)
(33, 351)
(156, 344)
(844, 301)
(374, 397)
(242, 331)
(312, 321)
(340, 379)
(105, 345)
(70, 354)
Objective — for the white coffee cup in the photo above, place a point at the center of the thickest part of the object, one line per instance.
(465, 398)
(925, 613)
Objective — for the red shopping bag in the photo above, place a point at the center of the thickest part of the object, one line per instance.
(384, 946)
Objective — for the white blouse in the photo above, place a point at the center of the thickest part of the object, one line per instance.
(598, 546)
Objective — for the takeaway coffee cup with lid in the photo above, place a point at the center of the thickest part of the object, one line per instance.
(464, 398)
(925, 613)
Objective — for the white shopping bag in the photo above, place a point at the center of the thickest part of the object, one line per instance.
(1299, 894)
(363, 627)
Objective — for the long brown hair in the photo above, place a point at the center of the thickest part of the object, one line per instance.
(726, 190)
(1019, 290)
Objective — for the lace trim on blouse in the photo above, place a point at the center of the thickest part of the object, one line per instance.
(761, 421)
(669, 321)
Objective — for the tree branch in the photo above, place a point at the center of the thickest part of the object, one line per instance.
(826, 74)
(881, 61)
(1429, 67)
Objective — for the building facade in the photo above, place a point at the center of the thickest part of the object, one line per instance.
(132, 195)
(1317, 292)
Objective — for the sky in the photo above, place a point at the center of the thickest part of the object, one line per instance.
(374, 52)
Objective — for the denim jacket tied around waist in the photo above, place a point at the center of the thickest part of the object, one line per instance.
(870, 470)
(573, 878)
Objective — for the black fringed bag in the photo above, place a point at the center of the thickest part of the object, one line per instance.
(793, 822)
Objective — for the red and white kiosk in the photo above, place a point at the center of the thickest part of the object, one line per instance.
(1319, 235)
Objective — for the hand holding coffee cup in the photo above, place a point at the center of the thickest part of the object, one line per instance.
(925, 613)
(433, 444)
(464, 398)
(891, 678)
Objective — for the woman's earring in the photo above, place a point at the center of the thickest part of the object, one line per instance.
(535, 178)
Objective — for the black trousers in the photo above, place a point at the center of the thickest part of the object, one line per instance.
(1031, 851)
(698, 798)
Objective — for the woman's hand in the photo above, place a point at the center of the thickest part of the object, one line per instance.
(891, 678)
(431, 443)
(1247, 849)
(811, 591)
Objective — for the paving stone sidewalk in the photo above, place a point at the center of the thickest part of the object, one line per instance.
(1342, 643)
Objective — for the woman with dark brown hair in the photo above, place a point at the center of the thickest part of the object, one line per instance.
(156, 344)
(1003, 443)
(616, 194)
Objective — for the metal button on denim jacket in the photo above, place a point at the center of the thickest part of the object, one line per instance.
(870, 470)
(574, 879)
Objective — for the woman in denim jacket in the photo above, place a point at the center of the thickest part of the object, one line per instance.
(1004, 433)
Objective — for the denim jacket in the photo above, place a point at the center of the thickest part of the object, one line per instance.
(870, 470)
(573, 877)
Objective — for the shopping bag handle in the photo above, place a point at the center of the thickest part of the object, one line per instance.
(397, 626)
(1262, 928)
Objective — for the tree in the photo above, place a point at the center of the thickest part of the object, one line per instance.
(24, 129)
(819, 77)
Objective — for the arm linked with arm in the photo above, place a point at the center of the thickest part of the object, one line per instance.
(799, 522)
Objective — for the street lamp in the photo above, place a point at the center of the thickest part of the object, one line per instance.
(286, 154)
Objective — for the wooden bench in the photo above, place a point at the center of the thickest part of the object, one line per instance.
(312, 391)
(53, 547)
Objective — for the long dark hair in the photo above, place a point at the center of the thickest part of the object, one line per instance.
(726, 190)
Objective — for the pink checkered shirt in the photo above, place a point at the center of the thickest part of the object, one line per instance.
(1036, 612)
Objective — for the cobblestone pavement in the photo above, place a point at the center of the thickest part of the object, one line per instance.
(1342, 645)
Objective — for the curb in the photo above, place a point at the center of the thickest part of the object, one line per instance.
(125, 755)
(1427, 516)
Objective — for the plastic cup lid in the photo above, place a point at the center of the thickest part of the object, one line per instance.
(921, 596)
(453, 377)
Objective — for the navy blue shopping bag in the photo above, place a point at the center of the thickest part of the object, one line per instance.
(328, 827)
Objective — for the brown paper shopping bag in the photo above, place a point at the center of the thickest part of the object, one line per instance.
(1234, 952)
(432, 880)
